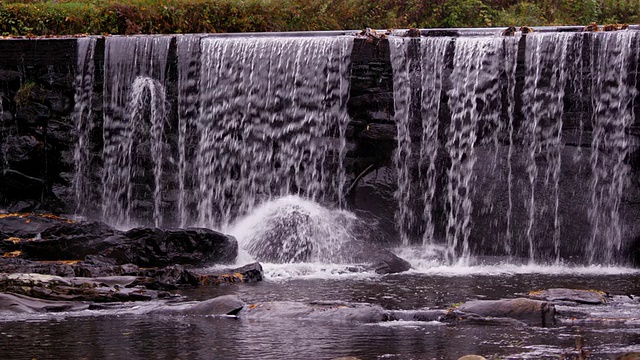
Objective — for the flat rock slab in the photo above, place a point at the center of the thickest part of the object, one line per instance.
(531, 312)
(594, 297)
(107, 289)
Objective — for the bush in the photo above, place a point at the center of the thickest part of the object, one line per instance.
(521, 14)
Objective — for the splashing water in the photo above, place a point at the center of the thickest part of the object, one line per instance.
(291, 229)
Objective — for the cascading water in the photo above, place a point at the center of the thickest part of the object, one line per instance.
(545, 80)
(612, 96)
(84, 122)
(474, 99)
(482, 155)
(268, 107)
(485, 112)
(188, 103)
(135, 72)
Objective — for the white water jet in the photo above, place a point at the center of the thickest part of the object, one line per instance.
(291, 229)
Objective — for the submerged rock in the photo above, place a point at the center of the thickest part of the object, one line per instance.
(221, 305)
(362, 313)
(20, 304)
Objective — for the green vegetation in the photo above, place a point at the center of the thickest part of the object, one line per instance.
(68, 17)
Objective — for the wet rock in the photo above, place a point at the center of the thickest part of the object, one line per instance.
(316, 311)
(33, 114)
(20, 149)
(593, 297)
(249, 273)
(46, 237)
(531, 312)
(387, 262)
(28, 225)
(472, 357)
(20, 304)
(68, 241)
(221, 305)
(152, 247)
(417, 315)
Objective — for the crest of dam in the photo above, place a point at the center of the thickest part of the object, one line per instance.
(470, 142)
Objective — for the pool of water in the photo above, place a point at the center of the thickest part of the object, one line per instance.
(129, 331)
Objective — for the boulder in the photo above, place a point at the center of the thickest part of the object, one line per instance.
(247, 273)
(50, 238)
(68, 241)
(28, 225)
(531, 312)
(386, 262)
(152, 247)
(221, 305)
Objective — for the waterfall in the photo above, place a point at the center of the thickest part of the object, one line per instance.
(188, 76)
(545, 80)
(511, 64)
(612, 94)
(135, 72)
(475, 86)
(267, 110)
(433, 52)
(404, 216)
(474, 99)
(84, 122)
